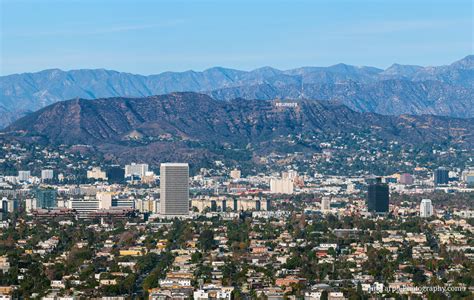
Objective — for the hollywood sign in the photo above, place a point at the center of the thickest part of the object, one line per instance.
(286, 104)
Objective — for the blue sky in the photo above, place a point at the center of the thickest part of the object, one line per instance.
(150, 37)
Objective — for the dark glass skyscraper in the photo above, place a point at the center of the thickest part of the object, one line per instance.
(378, 197)
(3, 209)
(115, 174)
(213, 205)
(46, 198)
(236, 205)
(258, 205)
(441, 176)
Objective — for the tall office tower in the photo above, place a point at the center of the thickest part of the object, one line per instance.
(426, 208)
(136, 170)
(174, 189)
(378, 197)
(47, 175)
(441, 176)
(45, 198)
(24, 175)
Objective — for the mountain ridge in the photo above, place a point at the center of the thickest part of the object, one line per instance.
(186, 126)
(27, 92)
(465, 62)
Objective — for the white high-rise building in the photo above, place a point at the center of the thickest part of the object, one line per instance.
(30, 204)
(325, 204)
(12, 205)
(134, 169)
(24, 175)
(281, 186)
(426, 208)
(47, 175)
(105, 199)
(174, 189)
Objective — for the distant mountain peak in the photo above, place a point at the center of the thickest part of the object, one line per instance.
(465, 63)
(266, 71)
(401, 70)
(342, 67)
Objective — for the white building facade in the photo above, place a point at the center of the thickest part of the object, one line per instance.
(174, 189)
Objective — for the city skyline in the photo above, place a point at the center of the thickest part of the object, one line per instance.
(320, 150)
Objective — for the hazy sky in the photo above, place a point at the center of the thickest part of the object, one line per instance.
(150, 37)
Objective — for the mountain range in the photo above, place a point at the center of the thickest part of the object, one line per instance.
(191, 126)
(400, 89)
